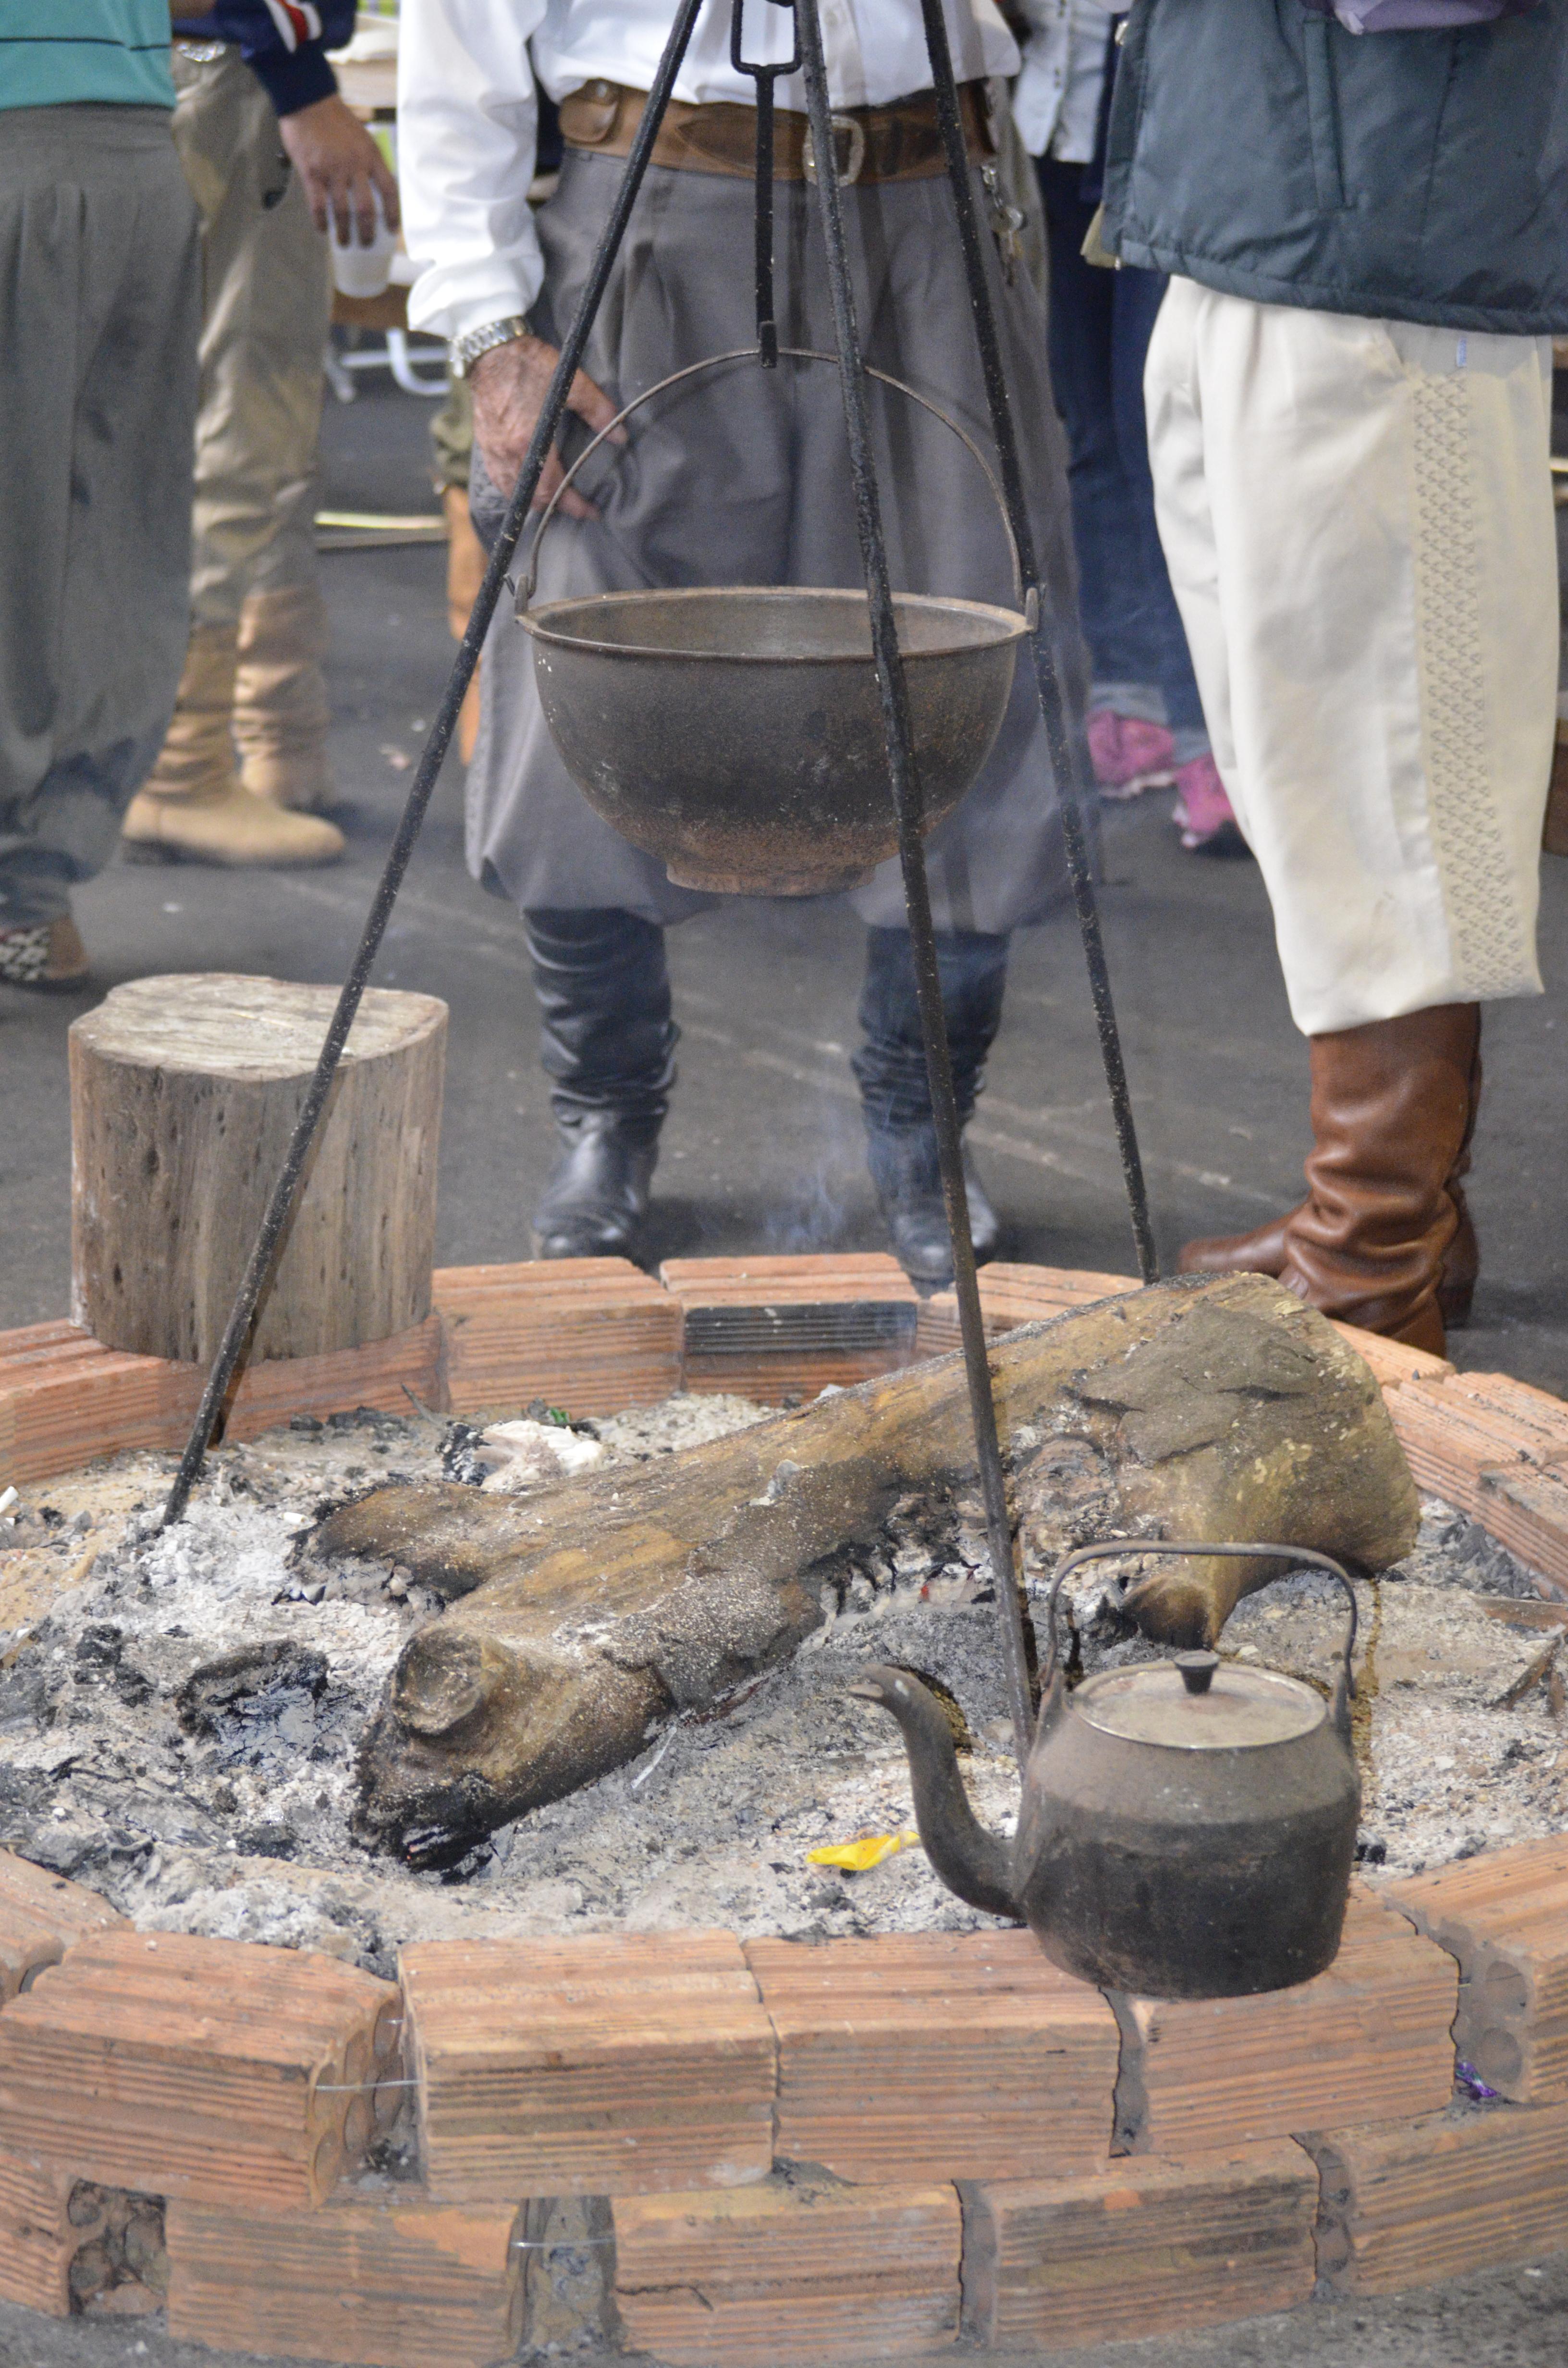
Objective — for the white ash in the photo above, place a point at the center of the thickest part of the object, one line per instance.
(222, 1805)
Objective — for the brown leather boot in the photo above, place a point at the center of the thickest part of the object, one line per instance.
(1262, 1251)
(1391, 1120)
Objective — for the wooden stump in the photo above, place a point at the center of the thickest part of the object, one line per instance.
(184, 1092)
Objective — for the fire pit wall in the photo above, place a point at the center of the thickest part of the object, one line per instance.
(722, 2152)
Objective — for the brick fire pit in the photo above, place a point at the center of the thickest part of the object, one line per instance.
(719, 2151)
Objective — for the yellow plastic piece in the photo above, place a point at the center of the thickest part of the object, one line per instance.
(871, 1850)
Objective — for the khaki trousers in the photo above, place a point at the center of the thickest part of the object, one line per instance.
(1359, 522)
(267, 307)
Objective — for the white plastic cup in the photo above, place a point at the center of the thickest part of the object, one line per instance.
(364, 270)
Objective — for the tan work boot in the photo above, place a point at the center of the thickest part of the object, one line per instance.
(193, 807)
(1263, 1250)
(466, 563)
(281, 712)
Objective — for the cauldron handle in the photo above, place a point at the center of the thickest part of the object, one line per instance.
(1030, 608)
(1301, 1557)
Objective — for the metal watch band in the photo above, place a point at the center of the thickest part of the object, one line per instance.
(464, 351)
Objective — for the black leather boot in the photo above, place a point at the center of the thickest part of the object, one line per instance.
(909, 1186)
(895, 1097)
(598, 1198)
(608, 1048)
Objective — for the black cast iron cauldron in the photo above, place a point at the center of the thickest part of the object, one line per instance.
(1189, 1828)
(736, 731)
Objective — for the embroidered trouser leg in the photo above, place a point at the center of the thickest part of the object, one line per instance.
(1358, 523)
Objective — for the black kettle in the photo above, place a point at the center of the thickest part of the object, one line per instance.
(1187, 1828)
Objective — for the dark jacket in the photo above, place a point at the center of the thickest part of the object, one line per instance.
(1266, 151)
(284, 45)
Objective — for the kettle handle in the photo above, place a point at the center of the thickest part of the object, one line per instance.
(1029, 602)
(1301, 1557)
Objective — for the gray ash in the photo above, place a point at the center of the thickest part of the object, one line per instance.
(178, 1727)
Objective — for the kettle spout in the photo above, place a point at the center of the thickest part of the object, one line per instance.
(971, 1862)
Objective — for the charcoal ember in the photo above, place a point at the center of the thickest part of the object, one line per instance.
(28, 1696)
(100, 1659)
(24, 1799)
(271, 1838)
(368, 1419)
(261, 1694)
(461, 1457)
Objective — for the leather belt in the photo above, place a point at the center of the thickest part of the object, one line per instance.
(901, 143)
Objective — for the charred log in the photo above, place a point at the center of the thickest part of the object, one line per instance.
(597, 1608)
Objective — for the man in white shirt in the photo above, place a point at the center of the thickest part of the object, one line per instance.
(740, 476)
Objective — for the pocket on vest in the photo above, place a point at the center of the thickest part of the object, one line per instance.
(1323, 111)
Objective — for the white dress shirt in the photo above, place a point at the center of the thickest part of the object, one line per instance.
(467, 111)
(1056, 100)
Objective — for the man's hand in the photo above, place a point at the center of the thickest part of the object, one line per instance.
(509, 384)
(341, 169)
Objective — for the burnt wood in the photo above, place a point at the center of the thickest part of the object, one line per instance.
(597, 1608)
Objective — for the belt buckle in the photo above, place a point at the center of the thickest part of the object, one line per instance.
(853, 132)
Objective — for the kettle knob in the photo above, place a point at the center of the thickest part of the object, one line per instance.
(1198, 1671)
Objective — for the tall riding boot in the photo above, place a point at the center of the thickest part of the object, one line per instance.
(608, 1048)
(192, 807)
(895, 1095)
(1262, 1251)
(280, 709)
(1391, 1118)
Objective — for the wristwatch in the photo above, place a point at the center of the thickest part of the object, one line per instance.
(464, 351)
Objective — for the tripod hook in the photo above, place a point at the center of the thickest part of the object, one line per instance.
(764, 77)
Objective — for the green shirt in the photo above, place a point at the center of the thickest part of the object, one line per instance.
(58, 52)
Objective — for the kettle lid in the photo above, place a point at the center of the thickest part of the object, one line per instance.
(1197, 1703)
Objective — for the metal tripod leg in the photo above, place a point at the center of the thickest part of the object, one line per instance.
(237, 1332)
(1064, 762)
(911, 855)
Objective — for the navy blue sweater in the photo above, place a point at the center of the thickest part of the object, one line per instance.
(283, 41)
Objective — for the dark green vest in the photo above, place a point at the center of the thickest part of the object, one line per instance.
(1414, 177)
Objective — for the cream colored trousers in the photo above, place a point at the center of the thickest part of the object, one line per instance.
(1359, 522)
(268, 306)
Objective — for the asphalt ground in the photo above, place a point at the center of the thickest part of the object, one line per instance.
(763, 1147)
(763, 1151)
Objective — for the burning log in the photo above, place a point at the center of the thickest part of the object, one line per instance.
(593, 1610)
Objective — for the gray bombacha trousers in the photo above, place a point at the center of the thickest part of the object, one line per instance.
(742, 476)
(100, 303)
